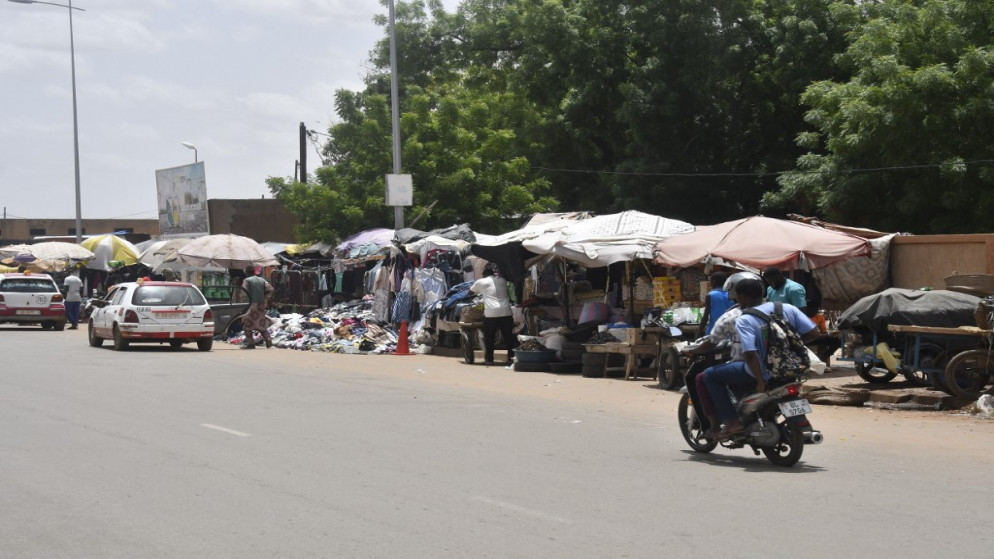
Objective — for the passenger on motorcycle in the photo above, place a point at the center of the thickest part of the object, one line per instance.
(722, 336)
(749, 374)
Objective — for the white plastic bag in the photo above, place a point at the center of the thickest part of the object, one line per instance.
(817, 365)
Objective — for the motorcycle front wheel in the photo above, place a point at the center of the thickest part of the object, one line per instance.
(788, 451)
(690, 427)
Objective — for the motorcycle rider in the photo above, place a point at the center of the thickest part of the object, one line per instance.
(749, 374)
(722, 335)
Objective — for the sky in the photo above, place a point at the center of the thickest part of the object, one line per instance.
(235, 78)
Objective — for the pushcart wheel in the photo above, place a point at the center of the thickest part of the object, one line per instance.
(468, 350)
(932, 361)
(873, 375)
(969, 372)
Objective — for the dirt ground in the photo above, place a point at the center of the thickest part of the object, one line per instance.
(639, 397)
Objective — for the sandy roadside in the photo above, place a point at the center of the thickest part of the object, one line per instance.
(639, 397)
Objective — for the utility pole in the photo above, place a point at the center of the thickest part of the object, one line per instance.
(398, 210)
(303, 153)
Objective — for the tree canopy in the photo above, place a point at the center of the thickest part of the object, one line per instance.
(872, 113)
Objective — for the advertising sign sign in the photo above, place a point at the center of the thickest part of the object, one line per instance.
(182, 193)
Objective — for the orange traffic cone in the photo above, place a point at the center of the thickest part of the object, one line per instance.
(402, 345)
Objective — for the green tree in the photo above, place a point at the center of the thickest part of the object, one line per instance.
(919, 106)
(465, 139)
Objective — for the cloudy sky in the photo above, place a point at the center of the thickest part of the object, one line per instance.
(233, 77)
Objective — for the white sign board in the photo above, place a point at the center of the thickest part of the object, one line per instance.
(400, 190)
(182, 200)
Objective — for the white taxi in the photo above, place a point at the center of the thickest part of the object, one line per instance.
(31, 299)
(152, 311)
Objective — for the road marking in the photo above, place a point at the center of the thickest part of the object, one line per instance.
(523, 510)
(225, 430)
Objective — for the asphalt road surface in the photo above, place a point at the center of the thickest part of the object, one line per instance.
(156, 452)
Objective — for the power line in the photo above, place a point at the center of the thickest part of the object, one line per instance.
(771, 174)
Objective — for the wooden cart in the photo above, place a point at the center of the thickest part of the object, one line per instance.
(649, 341)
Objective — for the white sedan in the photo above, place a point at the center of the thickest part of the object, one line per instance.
(152, 311)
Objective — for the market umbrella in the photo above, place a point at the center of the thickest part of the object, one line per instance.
(759, 242)
(365, 243)
(162, 254)
(48, 250)
(110, 248)
(605, 239)
(225, 251)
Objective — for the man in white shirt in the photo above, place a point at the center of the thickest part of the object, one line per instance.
(497, 314)
(74, 299)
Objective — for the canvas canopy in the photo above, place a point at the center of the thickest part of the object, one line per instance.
(758, 242)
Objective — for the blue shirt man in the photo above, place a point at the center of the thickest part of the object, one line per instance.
(750, 373)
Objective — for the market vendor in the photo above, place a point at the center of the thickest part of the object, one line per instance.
(497, 314)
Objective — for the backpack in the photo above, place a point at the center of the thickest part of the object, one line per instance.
(786, 354)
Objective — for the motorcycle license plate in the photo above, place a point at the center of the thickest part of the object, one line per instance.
(793, 408)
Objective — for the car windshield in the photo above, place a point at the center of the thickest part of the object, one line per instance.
(167, 296)
(28, 285)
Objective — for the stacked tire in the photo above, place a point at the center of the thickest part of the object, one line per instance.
(593, 363)
(570, 359)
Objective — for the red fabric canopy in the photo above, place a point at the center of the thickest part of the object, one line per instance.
(759, 242)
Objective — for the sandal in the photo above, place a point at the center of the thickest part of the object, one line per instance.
(728, 432)
(711, 433)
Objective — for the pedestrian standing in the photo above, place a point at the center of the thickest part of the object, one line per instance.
(784, 290)
(497, 314)
(259, 291)
(74, 298)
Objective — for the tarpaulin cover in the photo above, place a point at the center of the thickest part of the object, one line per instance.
(759, 242)
(937, 308)
(365, 243)
(603, 240)
(845, 282)
(460, 232)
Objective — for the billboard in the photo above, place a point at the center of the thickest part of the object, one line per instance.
(182, 200)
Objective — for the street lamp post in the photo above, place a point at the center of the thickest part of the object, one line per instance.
(75, 122)
(193, 147)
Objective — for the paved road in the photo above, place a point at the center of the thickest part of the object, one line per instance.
(275, 453)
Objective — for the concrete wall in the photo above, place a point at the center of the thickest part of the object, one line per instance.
(924, 260)
(262, 220)
(20, 230)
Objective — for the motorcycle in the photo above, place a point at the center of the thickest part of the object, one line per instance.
(776, 420)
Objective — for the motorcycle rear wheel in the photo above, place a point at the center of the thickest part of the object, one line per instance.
(690, 427)
(788, 451)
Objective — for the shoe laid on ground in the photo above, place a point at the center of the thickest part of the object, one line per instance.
(73, 327)
(247, 346)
